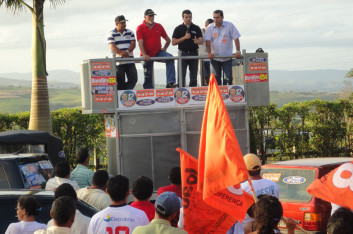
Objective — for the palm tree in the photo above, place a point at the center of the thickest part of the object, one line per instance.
(40, 113)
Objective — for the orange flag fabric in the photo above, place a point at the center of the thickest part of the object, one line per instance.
(221, 162)
(336, 186)
(232, 200)
(198, 216)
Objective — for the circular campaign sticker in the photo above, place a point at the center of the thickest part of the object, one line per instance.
(128, 98)
(236, 93)
(182, 96)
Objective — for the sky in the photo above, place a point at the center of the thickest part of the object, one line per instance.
(297, 34)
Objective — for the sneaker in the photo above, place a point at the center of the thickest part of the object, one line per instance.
(171, 85)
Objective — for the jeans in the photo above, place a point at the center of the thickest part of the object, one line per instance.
(148, 70)
(130, 71)
(193, 67)
(216, 68)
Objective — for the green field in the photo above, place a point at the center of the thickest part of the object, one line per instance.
(282, 98)
(13, 100)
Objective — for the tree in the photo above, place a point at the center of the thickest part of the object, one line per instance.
(350, 74)
(40, 113)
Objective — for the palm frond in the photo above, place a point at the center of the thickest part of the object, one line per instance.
(55, 3)
(14, 6)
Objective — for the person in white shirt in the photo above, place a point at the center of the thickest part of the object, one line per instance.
(63, 212)
(261, 186)
(62, 173)
(219, 37)
(118, 217)
(95, 194)
(27, 208)
(81, 222)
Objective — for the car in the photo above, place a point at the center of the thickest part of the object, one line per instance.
(293, 177)
(8, 203)
(25, 171)
(32, 141)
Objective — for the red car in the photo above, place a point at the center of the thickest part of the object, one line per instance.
(293, 177)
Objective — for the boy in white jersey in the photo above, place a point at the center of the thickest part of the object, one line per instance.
(261, 186)
(118, 216)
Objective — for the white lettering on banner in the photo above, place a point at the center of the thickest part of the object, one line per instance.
(236, 191)
(347, 181)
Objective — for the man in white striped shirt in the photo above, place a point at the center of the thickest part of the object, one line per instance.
(122, 42)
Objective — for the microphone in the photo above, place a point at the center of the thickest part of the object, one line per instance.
(188, 28)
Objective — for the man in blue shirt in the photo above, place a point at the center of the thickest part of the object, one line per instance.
(81, 174)
(219, 37)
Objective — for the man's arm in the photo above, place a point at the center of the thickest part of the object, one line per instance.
(176, 41)
(208, 48)
(142, 49)
(237, 46)
(167, 43)
(115, 49)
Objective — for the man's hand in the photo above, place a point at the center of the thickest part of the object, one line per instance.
(124, 54)
(146, 57)
(210, 55)
(196, 41)
(163, 49)
(187, 36)
(238, 55)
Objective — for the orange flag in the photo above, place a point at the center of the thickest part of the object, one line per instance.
(198, 216)
(221, 162)
(336, 186)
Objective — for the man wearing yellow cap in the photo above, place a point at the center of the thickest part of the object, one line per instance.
(261, 186)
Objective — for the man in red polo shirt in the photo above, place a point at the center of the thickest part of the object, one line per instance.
(149, 36)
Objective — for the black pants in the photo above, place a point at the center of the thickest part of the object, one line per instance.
(130, 71)
(193, 67)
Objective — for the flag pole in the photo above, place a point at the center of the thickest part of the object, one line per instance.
(252, 190)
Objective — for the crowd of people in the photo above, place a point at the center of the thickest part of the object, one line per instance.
(110, 197)
(215, 39)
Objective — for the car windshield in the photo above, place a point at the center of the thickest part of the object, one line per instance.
(21, 148)
(292, 182)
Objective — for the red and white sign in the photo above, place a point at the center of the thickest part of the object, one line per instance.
(103, 81)
(257, 66)
(254, 78)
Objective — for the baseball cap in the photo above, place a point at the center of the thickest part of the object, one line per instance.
(120, 19)
(252, 162)
(167, 203)
(149, 12)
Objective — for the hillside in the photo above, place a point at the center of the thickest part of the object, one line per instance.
(65, 88)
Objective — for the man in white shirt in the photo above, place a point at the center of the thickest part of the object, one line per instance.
(95, 194)
(62, 175)
(261, 186)
(63, 213)
(118, 216)
(81, 222)
(219, 37)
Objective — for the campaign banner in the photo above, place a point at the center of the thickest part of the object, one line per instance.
(103, 81)
(110, 128)
(258, 66)
(185, 96)
(164, 98)
(198, 95)
(182, 96)
(257, 77)
(233, 94)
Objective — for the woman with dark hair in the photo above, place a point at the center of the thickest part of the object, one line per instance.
(27, 208)
(268, 212)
